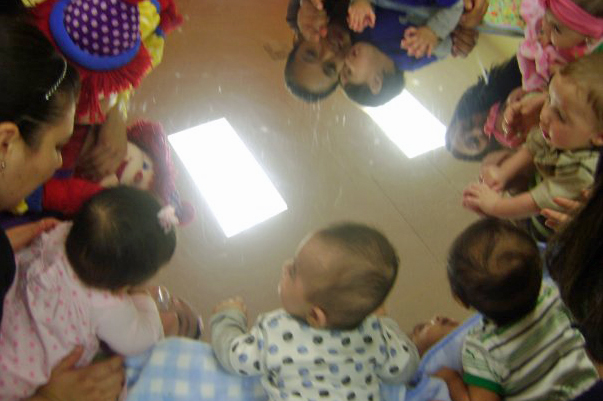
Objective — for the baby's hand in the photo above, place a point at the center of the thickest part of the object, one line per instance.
(231, 303)
(480, 198)
(419, 42)
(521, 115)
(360, 15)
(492, 176)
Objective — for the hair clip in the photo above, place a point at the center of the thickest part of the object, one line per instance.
(54, 87)
(167, 218)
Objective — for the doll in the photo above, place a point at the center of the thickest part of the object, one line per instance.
(148, 165)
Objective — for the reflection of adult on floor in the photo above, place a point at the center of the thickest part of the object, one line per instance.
(309, 18)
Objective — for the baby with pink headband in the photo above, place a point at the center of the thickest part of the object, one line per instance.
(557, 32)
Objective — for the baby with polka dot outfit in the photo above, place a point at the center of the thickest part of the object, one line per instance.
(74, 286)
(325, 343)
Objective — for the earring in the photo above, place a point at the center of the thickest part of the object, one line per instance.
(2, 165)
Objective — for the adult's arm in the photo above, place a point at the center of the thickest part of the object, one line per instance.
(101, 381)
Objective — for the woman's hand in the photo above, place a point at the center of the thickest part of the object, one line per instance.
(463, 41)
(109, 150)
(474, 13)
(556, 219)
(21, 236)
(101, 381)
(312, 20)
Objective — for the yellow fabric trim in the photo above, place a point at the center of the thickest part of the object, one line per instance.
(149, 18)
(21, 208)
(32, 3)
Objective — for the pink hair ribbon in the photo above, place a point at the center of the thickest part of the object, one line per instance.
(570, 14)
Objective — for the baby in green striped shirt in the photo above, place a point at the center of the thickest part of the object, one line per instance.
(525, 348)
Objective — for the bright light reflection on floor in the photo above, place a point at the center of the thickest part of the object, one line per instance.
(408, 124)
(232, 182)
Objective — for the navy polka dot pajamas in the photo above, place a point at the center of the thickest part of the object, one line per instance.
(298, 361)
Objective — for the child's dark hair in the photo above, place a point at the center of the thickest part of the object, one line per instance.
(393, 84)
(298, 90)
(30, 68)
(116, 239)
(495, 268)
(575, 259)
(480, 97)
(361, 286)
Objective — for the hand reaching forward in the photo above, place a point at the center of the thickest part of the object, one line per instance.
(360, 15)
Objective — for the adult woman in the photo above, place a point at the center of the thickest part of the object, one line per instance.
(574, 260)
(36, 118)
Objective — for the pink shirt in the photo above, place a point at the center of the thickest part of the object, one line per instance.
(48, 311)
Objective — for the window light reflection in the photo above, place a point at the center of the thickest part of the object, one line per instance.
(408, 124)
(237, 190)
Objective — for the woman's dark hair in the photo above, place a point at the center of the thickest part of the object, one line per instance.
(14, 8)
(30, 69)
(479, 98)
(495, 268)
(298, 90)
(116, 239)
(575, 260)
(392, 86)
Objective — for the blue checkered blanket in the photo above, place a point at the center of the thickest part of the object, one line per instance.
(179, 369)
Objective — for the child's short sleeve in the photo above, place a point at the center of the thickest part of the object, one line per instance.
(238, 351)
(401, 355)
(479, 368)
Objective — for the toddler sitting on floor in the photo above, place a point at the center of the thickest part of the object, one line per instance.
(525, 348)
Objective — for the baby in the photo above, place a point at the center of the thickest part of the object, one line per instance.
(563, 149)
(525, 347)
(75, 285)
(325, 342)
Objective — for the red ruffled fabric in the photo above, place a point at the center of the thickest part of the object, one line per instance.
(95, 83)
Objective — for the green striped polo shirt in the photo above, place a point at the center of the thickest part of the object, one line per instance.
(538, 358)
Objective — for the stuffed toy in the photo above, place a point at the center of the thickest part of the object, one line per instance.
(148, 165)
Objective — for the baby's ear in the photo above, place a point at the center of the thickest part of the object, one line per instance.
(375, 83)
(317, 318)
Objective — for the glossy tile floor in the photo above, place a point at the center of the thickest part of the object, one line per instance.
(329, 162)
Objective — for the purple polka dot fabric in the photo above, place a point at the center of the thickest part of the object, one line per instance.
(102, 27)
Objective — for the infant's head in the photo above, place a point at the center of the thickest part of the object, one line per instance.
(117, 240)
(495, 268)
(370, 77)
(339, 276)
